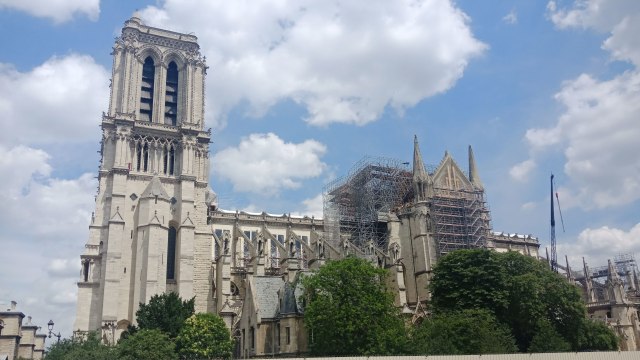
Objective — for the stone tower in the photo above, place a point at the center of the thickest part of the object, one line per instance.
(149, 232)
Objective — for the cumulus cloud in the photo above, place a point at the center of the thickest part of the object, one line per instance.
(57, 10)
(265, 164)
(35, 203)
(598, 245)
(522, 170)
(44, 221)
(311, 207)
(598, 129)
(343, 61)
(60, 100)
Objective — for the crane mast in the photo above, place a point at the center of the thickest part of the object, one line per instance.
(554, 255)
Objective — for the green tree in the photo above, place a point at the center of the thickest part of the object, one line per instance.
(89, 347)
(166, 312)
(204, 336)
(596, 336)
(350, 312)
(546, 339)
(463, 332)
(519, 290)
(147, 344)
(469, 279)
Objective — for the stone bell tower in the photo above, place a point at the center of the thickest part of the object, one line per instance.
(149, 232)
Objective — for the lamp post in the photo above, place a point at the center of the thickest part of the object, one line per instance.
(50, 326)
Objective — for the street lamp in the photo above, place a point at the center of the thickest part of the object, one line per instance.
(50, 326)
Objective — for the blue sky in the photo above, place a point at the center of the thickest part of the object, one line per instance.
(297, 92)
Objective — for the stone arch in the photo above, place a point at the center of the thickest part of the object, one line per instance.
(172, 55)
(149, 51)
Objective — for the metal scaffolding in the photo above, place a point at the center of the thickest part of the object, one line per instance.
(352, 203)
(625, 266)
(461, 219)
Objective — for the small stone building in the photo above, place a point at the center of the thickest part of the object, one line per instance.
(18, 339)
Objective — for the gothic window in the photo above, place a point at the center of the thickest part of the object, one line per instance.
(145, 157)
(85, 270)
(172, 159)
(138, 157)
(146, 89)
(171, 95)
(252, 337)
(171, 254)
(234, 289)
(165, 160)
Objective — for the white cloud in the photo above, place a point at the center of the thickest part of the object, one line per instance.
(511, 18)
(60, 100)
(619, 18)
(265, 164)
(57, 10)
(343, 61)
(598, 129)
(598, 245)
(44, 221)
(522, 170)
(312, 207)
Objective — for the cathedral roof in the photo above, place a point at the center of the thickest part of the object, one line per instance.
(154, 189)
(267, 295)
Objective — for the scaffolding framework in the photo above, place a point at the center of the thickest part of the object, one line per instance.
(352, 203)
(624, 264)
(461, 219)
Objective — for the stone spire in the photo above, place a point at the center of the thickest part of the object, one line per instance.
(616, 287)
(422, 183)
(473, 171)
(589, 284)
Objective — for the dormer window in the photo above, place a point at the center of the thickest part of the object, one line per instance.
(171, 95)
(146, 89)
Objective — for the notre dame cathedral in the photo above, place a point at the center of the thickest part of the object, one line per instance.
(157, 226)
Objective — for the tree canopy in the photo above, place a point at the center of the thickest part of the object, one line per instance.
(522, 292)
(462, 332)
(147, 344)
(89, 347)
(166, 312)
(350, 312)
(204, 336)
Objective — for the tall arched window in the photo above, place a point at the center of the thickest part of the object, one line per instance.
(171, 95)
(85, 270)
(146, 91)
(171, 254)
(165, 160)
(172, 159)
(139, 157)
(145, 157)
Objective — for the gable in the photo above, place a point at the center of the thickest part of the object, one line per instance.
(448, 175)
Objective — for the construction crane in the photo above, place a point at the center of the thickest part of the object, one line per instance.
(554, 254)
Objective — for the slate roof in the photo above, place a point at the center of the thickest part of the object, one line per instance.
(266, 295)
